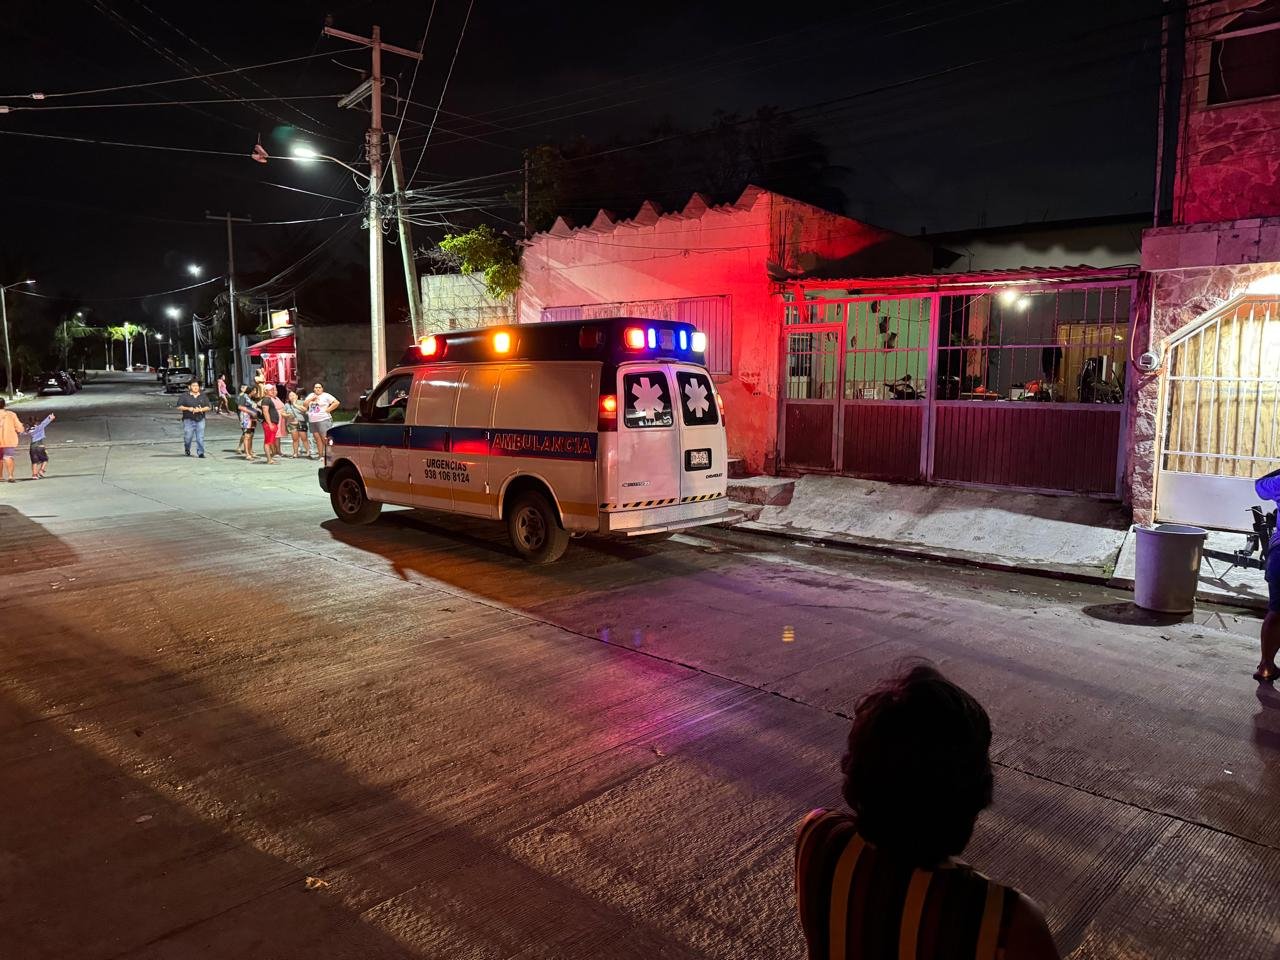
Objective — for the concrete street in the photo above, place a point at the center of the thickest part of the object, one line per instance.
(231, 726)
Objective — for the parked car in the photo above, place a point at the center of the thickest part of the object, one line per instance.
(177, 378)
(55, 380)
(160, 372)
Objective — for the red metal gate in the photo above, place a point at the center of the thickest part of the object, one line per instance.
(814, 373)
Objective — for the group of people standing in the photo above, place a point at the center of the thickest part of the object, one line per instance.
(306, 419)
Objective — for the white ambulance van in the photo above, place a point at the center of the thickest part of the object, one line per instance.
(609, 427)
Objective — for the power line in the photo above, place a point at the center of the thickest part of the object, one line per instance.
(198, 45)
(158, 83)
(120, 143)
(144, 296)
(443, 89)
(417, 64)
(167, 103)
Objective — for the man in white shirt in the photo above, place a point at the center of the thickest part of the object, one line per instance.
(320, 406)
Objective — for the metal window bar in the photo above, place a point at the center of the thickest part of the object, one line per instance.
(1225, 437)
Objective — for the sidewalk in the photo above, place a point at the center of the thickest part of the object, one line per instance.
(1070, 537)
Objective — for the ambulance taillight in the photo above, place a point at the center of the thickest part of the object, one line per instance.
(720, 406)
(607, 422)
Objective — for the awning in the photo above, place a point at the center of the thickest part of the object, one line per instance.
(274, 345)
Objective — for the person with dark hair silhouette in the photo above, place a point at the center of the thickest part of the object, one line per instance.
(881, 882)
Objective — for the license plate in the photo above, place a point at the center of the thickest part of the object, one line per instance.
(697, 459)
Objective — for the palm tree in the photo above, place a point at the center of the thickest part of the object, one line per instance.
(66, 333)
(111, 334)
(130, 331)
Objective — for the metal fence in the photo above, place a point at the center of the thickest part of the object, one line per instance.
(1013, 386)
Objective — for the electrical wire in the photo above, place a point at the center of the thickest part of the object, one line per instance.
(166, 103)
(144, 296)
(422, 46)
(121, 143)
(159, 83)
(443, 89)
(199, 46)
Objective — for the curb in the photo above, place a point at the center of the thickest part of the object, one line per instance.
(1100, 578)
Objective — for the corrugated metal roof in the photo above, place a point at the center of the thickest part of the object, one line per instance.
(938, 281)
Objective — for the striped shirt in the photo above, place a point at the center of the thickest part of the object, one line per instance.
(858, 902)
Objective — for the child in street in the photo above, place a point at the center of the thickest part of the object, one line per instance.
(39, 455)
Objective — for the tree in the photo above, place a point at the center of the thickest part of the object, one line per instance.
(66, 333)
(111, 335)
(491, 255)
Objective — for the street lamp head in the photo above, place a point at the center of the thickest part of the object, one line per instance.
(195, 269)
(29, 281)
(159, 336)
(303, 152)
(173, 312)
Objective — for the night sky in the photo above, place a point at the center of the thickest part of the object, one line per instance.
(947, 115)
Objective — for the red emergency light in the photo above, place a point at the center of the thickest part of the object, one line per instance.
(431, 346)
(607, 421)
(633, 337)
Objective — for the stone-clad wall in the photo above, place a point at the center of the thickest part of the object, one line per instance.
(1174, 299)
(1228, 155)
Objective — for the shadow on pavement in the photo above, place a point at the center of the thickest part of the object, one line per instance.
(1130, 614)
(25, 545)
(149, 813)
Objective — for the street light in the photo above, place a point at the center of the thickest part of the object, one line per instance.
(195, 269)
(4, 315)
(377, 305)
(305, 154)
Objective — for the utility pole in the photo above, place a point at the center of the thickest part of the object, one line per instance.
(231, 288)
(373, 145)
(8, 361)
(524, 216)
(406, 241)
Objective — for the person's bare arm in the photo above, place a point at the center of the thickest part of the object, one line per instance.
(1028, 935)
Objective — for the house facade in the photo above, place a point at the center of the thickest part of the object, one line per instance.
(718, 267)
(1205, 413)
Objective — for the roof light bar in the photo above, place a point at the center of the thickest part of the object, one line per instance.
(502, 342)
(699, 342)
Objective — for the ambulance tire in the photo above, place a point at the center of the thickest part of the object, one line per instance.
(535, 529)
(350, 502)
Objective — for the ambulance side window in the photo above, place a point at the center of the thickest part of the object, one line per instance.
(648, 400)
(392, 401)
(697, 399)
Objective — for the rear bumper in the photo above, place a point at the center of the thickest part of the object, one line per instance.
(679, 516)
(323, 475)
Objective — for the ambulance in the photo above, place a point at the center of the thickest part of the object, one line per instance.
(610, 427)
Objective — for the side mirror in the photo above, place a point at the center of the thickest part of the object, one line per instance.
(364, 407)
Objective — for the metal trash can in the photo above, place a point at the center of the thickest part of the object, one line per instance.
(1168, 567)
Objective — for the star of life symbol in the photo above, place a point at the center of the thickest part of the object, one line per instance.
(696, 398)
(648, 398)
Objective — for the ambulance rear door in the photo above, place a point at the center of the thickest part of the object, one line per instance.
(648, 436)
(703, 449)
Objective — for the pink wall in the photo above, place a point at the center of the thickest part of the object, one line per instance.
(1228, 155)
(731, 250)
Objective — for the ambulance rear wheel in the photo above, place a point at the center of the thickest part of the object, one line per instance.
(350, 502)
(535, 529)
